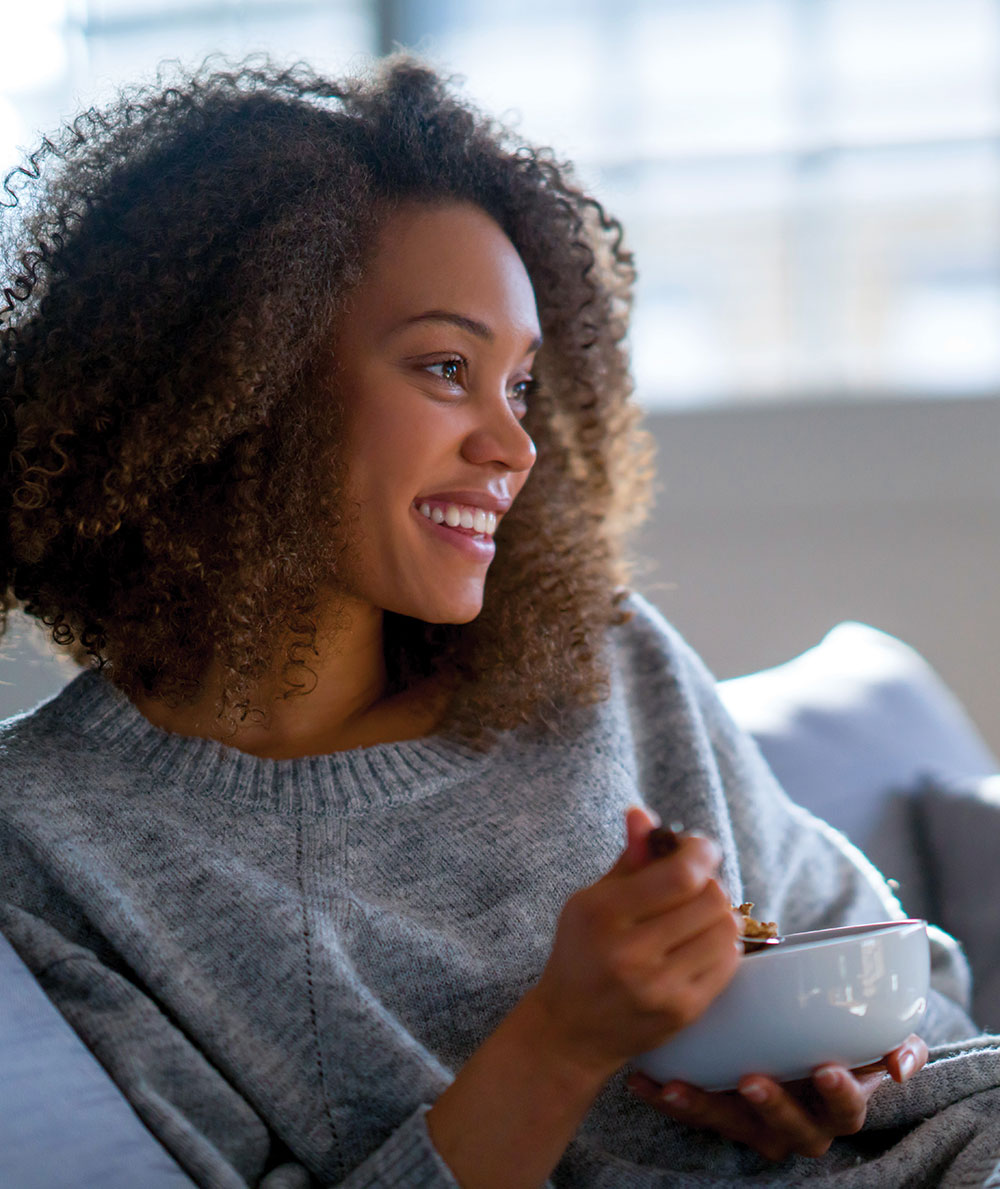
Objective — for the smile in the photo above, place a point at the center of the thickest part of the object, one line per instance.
(464, 518)
(454, 526)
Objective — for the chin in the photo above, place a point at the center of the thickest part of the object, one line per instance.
(466, 615)
(454, 611)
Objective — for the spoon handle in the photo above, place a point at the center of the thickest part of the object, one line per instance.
(664, 840)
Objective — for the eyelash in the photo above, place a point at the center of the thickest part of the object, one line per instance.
(527, 386)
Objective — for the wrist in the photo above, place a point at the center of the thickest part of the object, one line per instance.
(521, 1091)
(539, 1031)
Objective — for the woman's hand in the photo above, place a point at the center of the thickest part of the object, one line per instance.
(639, 954)
(797, 1118)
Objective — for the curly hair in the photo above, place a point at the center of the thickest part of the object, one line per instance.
(177, 261)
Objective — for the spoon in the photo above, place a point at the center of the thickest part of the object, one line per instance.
(752, 944)
(664, 840)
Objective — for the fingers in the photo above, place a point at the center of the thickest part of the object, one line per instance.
(681, 988)
(762, 1115)
(646, 888)
(647, 891)
(725, 1114)
(638, 823)
(775, 1120)
(787, 1127)
(903, 1062)
(728, 1115)
(666, 931)
(843, 1098)
(872, 1067)
(697, 943)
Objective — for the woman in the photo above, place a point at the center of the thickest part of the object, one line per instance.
(319, 456)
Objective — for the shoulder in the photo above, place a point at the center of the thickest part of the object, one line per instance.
(664, 700)
(50, 774)
(644, 621)
(648, 653)
(671, 702)
(40, 745)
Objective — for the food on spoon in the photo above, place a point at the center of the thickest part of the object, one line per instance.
(753, 928)
(756, 935)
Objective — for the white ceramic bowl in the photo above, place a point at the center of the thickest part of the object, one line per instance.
(848, 995)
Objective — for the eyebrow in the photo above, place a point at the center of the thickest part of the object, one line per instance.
(472, 325)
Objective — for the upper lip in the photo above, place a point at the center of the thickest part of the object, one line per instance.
(477, 499)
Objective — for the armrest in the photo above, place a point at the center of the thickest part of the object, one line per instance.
(62, 1119)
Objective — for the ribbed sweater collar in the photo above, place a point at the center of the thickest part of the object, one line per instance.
(386, 774)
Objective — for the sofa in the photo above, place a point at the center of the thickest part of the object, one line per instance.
(859, 728)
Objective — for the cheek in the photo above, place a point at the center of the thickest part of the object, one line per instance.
(381, 445)
(397, 441)
(388, 468)
(404, 444)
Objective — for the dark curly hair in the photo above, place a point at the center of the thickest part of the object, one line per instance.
(174, 266)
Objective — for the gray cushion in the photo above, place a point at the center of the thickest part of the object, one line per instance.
(851, 728)
(63, 1121)
(960, 825)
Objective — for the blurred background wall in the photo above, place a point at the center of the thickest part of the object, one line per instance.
(812, 192)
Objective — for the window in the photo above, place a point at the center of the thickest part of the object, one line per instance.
(64, 54)
(811, 187)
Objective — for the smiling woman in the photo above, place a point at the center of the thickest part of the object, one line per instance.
(318, 450)
(433, 454)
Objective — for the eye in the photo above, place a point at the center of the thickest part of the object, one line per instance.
(449, 370)
(521, 392)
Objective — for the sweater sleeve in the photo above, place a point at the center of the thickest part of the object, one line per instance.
(407, 1158)
(212, 1131)
(795, 868)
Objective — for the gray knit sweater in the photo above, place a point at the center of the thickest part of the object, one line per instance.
(282, 963)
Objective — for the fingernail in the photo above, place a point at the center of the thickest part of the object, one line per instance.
(827, 1076)
(754, 1091)
(674, 1097)
(907, 1064)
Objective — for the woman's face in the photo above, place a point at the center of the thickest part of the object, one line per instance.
(434, 361)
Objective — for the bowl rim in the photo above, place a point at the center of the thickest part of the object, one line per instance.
(826, 937)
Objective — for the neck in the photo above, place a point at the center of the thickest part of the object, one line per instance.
(346, 707)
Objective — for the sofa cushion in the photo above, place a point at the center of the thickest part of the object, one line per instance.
(63, 1121)
(960, 827)
(851, 728)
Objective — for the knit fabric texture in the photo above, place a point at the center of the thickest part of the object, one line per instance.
(282, 963)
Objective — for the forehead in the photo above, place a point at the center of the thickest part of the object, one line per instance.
(452, 257)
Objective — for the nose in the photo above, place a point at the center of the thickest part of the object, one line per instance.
(499, 438)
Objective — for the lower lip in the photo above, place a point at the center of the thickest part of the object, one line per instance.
(480, 548)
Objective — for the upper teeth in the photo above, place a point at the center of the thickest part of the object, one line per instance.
(461, 515)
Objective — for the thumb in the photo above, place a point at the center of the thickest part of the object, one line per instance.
(638, 823)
